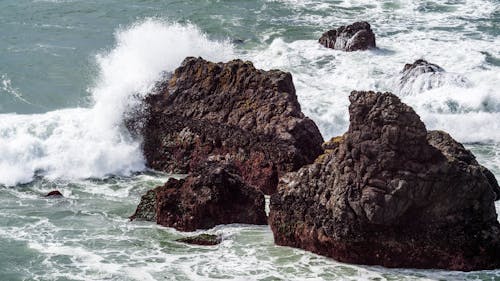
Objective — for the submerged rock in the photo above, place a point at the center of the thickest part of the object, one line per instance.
(354, 37)
(202, 239)
(54, 194)
(390, 193)
(422, 76)
(229, 111)
(213, 194)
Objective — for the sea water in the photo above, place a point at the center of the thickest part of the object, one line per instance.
(71, 70)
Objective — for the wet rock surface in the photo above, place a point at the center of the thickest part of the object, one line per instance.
(390, 193)
(202, 240)
(213, 194)
(355, 37)
(230, 111)
(54, 194)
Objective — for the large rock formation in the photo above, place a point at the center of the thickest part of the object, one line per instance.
(232, 111)
(422, 76)
(213, 194)
(354, 37)
(390, 193)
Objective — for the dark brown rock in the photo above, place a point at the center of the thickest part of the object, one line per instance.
(213, 194)
(390, 193)
(422, 66)
(202, 240)
(54, 194)
(354, 37)
(455, 150)
(229, 111)
(146, 210)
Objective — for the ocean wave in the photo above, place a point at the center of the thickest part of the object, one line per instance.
(92, 142)
(465, 102)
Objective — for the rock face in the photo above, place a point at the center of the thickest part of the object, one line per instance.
(213, 194)
(390, 193)
(422, 76)
(354, 37)
(229, 111)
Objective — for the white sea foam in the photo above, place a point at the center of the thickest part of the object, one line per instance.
(91, 142)
(6, 86)
(324, 78)
(399, 16)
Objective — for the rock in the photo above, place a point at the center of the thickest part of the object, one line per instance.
(354, 37)
(229, 111)
(422, 66)
(146, 210)
(454, 150)
(213, 194)
(422, 76)
(54, 194)
(238, 41)
(390, 193)
(202, 239)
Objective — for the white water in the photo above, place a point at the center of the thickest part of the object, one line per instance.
(468, 108)
(86, 235)
(91, 142)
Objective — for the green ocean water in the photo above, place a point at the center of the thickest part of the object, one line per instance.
(69, 72)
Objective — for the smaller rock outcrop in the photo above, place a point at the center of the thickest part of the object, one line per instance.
(354, 37)
(389, 192)
(54, 194)
(422, 76)
(202, 240)
(213, 194)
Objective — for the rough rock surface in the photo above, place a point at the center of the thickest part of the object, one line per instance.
(422, 76)
(202, 239)
(229, 111)
(213, 194)
(54, 194)
(354, 37)
(390, 193)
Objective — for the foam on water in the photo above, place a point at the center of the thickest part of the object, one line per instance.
(91, 142)
(395, 16)
(324, 78)
(6, 86)
(88, 237)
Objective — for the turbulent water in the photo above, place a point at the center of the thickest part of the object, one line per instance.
(70, 70)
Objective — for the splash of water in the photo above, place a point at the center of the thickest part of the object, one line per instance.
(92, 142)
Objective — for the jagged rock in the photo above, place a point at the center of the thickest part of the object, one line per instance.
(422, 76)
(202, 239)
(146, 210)
(390, 193)
(455, 150)
(54, 194)
(354, 37)
(213, 194)
(229, 111)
